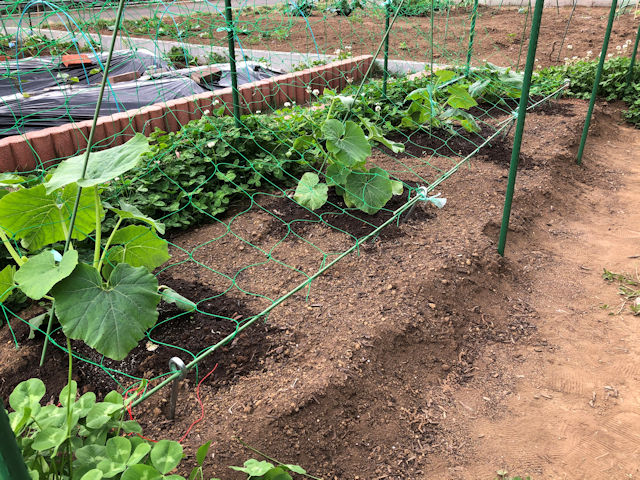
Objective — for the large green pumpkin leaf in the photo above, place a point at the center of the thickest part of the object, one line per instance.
(369, 191)
(310, 192)
(460, 97)
(6, 282)
(132, 212)
(103, 165)
(39, 219)
(139, 247)
(112, 318)
(40, 273)
(347, 142)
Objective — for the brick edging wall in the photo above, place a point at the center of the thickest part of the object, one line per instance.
(46, 147)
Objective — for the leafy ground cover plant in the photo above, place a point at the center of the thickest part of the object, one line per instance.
(301, 8)
(190, 176)
(439, 107)
(345, 148)
(263, 470)
(82, 438)
(345, 7)
(110, 300)
(613, 84)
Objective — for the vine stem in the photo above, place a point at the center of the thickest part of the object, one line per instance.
(106, 247)
(96, 250)
(12, 251)
(69, 380)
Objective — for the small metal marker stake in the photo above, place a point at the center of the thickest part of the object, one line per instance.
(175, 364)
(420, 192)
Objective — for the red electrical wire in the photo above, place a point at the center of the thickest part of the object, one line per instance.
(201, 405)
(130, 412)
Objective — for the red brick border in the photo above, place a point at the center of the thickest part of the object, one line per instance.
(46, 147)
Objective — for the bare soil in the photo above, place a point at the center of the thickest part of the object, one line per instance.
(427, 355)
(501, 36)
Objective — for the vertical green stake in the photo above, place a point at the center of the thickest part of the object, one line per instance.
(596, 81)
(633, 59)
(385, 72)
(96, 115)
(522, 113)
(11, 462)
(232, 61)
(472, 31)
(431, 35)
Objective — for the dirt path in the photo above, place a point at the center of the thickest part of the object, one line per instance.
(547, 427)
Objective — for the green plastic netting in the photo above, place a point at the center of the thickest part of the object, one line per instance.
(242, 241)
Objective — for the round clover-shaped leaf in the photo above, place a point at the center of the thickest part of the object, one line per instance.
(51, 437)
(141, 472)
(94, 474)
(27, 394)
(112, 318)
(166, 455)
(254, 468)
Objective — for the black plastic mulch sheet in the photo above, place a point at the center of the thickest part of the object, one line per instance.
(48, 98)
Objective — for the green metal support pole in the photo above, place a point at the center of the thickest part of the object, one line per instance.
(232, 61)
(472, 31)
(385, 73)
(596, 81)
(11, 461)
(522, 113)
(633, 59)
(431, 39)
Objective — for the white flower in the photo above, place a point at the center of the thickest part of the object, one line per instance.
(589, 53)
(308, 89)
(569, 47)
(211, 144)
(287, 104)
(316, 92)
(216, 102)
(347, 101)
(293, 101)
(618, 48)
(206, 112)
(349, 79)
(610, 55)
(575, 57)
(337, 52)
(625, 46)
(378, 108)
(258, 112)
(537, 60)
(348, 47)
(566, 59)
